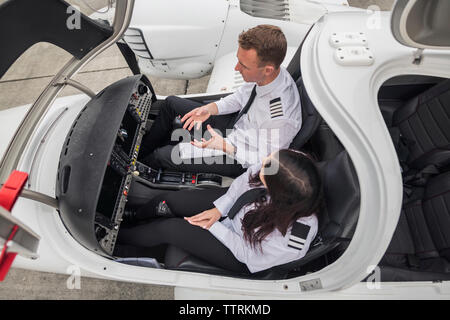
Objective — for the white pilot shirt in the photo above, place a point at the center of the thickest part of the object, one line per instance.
(276, 248)
(271, 123)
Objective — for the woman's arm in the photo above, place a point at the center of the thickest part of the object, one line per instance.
(275, 248)
(205, 219)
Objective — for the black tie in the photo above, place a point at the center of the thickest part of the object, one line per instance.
(247, 197)
(247, 106)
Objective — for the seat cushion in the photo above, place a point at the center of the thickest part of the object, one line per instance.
(423, 241)
(179, 259)
(436, 206)
(420, 246)
(401, 245)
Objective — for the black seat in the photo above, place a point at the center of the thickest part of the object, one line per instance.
(338, 223)
(437, 212)
(339, 219)
(424, 121)
(310, 118)
(420, 246)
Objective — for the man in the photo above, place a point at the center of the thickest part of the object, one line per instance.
(262, 116)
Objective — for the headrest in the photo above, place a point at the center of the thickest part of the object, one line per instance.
(310, 118)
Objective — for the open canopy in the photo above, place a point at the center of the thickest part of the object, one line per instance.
(24, 23)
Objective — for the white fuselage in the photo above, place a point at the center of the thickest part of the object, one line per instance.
(344, 95)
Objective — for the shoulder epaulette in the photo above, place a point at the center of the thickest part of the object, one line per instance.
(298, 236)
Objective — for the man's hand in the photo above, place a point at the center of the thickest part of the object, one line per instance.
(199, 115)
(216, 142)
(205, 219)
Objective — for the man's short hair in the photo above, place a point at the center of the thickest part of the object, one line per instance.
(268, 41)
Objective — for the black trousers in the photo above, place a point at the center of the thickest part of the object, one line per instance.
(180, 233)
(157, 147)
(184, 203)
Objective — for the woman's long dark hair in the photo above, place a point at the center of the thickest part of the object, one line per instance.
(295, 191)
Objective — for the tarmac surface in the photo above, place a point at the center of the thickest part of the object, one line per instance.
(33, 72)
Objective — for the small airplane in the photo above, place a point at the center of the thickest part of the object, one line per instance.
(375, 94)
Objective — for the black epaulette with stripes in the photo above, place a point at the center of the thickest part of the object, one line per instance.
(276, 108)
(298, 236)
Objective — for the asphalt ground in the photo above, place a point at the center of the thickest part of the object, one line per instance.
(21, 85)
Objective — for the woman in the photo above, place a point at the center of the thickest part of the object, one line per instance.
(269, 218)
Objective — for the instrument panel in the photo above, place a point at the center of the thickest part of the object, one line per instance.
(121, 166)
(97, 161)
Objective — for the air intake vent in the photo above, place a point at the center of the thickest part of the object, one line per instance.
(272, 9)
(135, 40)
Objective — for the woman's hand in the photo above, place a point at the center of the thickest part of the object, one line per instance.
(205, 219)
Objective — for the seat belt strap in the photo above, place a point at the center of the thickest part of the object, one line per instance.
(246, 107)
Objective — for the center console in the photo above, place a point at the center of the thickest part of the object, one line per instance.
(177, 180)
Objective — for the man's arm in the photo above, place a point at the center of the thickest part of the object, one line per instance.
(217, 142)
(212, 108)
(231, 103)
(199, 114)
(236, 101)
